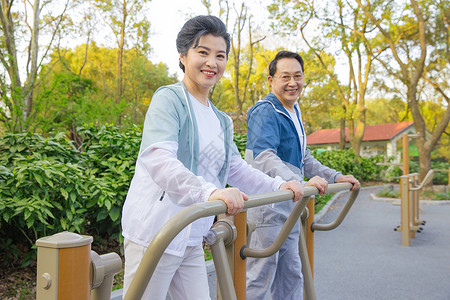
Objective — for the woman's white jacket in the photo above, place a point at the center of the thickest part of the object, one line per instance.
(166, 180)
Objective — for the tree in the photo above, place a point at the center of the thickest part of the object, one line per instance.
(387, 110)
(252, 78)
(125, 17)
(142, 79)
(407, 31)
(19, 34)
(320, 107)
(347, 28)
(74, 90)
(240, 91)
(242, 53)
(79, 89)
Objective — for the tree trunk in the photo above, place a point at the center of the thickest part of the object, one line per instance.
(10, 63)
(342, 135)
(424, 158)
(358, 136)
(120, 58)
(34, 45)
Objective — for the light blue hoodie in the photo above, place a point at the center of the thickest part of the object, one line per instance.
(170, 118)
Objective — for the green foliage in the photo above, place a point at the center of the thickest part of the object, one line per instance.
(42, 188)
(110, 158)
(74, 91)
(241, 141)
(433, 195)
(47, 185)
(344, 161)
(321, 201)
(66, 100)
(441, 174)
(388, 192)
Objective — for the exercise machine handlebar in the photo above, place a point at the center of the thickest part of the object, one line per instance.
(348, 204)
(196, 211)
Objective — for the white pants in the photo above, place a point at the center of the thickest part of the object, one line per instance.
(183, 277)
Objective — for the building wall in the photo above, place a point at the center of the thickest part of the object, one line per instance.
(368, 149)
(390, 148)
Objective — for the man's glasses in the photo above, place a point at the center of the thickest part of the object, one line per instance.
(287, 78)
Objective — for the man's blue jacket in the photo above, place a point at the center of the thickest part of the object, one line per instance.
(274, 147)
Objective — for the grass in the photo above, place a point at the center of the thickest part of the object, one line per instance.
(424, 195)
(434, 195)
(321, 201)
(388, 193)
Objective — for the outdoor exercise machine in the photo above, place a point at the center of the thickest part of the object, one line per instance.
(68, 269)
(227, 239)
(410, 202)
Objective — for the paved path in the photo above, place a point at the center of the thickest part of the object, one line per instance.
(363, 257)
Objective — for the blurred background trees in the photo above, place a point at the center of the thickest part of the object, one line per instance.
(69, 63)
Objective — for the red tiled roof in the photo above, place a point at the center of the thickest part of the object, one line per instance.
(379, 132)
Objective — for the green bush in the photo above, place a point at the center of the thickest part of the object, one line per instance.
(321, 201)
(47, 185)
(42, 189)
(110, 159)
(344, 161)
(440, 177)
(388, 192)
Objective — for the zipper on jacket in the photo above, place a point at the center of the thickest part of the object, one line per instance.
(162, 196)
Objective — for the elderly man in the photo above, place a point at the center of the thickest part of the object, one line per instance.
(276, 145)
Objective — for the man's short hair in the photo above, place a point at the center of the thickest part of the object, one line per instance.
(284, 54)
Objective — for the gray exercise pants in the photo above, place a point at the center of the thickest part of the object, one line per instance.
(280, 274)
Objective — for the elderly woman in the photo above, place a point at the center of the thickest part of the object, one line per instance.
(187, 156)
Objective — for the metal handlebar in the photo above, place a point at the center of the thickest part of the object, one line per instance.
(294, 216)
(426, 180)
(282, 236)
(196, 211)
(340, 217)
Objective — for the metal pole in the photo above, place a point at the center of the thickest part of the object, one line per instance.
(282, 235)
(309, 233)
(103, 269)
(182, 219)
(308, 286)
(411, 205)
(415, 219)
(220, 234)
(240, 265)
(405, 154)
(404, 195)
(196, 211)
